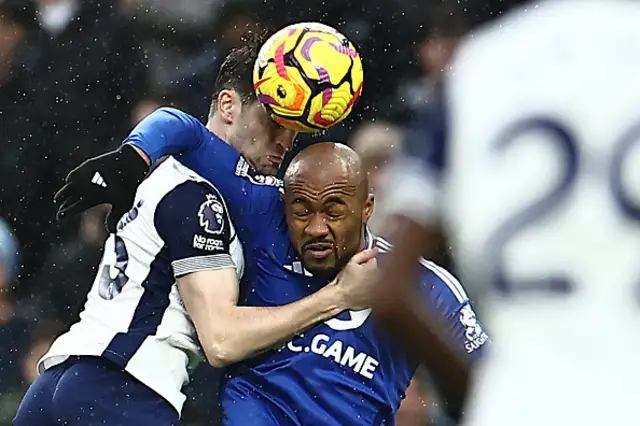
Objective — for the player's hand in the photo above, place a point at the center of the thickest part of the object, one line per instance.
(110, 178)
(356, 279)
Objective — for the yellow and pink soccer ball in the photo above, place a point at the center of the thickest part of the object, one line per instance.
(308, 76)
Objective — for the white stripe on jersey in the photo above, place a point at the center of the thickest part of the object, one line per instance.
(452, 282)
(201, 263)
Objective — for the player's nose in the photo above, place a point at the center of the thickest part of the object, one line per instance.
(317, 226)
(285, 140)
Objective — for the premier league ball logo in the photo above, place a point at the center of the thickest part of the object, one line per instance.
(211, 215)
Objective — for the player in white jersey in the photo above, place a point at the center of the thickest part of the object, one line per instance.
(138, 320)
(540, 196)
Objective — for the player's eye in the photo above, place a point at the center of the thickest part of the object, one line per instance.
(300, 212)
(335, 213)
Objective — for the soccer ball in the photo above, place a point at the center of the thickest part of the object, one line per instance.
(308, 76)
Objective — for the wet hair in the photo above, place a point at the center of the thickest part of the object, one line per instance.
(236, 72)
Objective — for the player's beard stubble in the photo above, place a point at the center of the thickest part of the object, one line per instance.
(341, 252)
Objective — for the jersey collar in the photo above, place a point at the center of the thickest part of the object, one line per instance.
(369, 238)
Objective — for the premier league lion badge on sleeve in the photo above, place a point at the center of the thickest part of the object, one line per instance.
(211, 215)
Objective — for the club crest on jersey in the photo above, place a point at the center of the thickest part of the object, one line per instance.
(474, 334)
(211, 215)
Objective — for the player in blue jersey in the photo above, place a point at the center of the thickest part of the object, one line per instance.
(163, 297)
(345, 370)
(342, 371)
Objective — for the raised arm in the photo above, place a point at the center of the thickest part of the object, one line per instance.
(166, 131)
(195, 226)
(113, 177)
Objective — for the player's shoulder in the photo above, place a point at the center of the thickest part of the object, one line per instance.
(544, 30)
(181, 195)
(168, 174)
(177, 119)
(481, 53)
(440, 284)
(171, 112)
(173, 185)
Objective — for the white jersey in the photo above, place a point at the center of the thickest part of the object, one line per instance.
(134, 315)
(541, 197)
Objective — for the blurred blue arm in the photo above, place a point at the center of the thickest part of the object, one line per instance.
(448, 299)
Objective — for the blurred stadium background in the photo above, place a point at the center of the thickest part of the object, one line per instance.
(76, 75)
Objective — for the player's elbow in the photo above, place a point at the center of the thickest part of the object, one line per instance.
(218, 359)
(220, 352)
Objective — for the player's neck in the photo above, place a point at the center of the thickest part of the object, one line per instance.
(219, 129)
(216, 128)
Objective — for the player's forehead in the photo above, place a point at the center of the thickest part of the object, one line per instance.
(324, 168)
(321, 183)
(257, 114)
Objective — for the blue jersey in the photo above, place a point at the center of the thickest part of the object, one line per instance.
(343, 371)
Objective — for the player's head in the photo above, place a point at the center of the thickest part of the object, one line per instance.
(327, 202)
(237, 117)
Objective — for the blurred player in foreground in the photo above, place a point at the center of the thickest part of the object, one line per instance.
(541, 197)
(172, 268)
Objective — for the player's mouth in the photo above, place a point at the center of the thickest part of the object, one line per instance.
(275, 159)
(319, 250)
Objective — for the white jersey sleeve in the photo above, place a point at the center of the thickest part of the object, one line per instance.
(134, 315)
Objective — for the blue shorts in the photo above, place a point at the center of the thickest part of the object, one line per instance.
(241, 406)
(92, 391)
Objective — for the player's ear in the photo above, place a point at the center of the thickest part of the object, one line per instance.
(229, 106)
(367, 209)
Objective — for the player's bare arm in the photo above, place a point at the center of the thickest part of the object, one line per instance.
(230, 333)
(396, 306)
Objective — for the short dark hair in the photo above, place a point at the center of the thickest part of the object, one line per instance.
(236, 72)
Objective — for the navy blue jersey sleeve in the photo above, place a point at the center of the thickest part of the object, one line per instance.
(167, 131)
(445, 293)
(193, 222)
(414, 184)
(426, 137)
